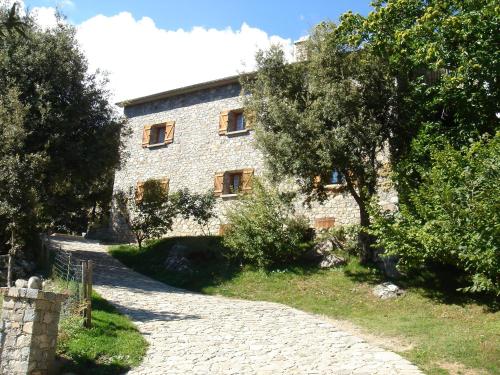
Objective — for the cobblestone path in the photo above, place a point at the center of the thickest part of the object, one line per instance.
(191, 333)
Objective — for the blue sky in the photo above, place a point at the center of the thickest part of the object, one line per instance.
(289, 19)
(151, 46)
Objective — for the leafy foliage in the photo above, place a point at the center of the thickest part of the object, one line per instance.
(64, 122)
(332, 111)
(197, 206)
(153, 215)
(263, 229)
(456, 216)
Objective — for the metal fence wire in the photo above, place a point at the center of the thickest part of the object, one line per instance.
(71, 273)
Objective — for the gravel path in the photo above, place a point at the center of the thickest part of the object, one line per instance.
(191, 333)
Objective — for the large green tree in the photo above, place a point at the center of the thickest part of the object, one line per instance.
(332, 111)
(60, 136)
(445, 56)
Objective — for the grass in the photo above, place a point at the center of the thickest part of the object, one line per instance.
(111, 347)
(440, 330)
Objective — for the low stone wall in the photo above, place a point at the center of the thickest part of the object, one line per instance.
(29, 327)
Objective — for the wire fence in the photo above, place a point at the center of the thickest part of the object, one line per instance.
(75, 277)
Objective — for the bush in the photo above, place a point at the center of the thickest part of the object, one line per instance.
(344, 239)
(264, 231)
(452, 219)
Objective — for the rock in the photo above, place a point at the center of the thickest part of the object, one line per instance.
(178, 250)
(387, 290)
(35, 283)
(21, 283)
(178, 263)
(331, 260)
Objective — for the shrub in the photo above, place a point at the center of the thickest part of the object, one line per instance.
(452, 219)
(264, 231)
(344, 239)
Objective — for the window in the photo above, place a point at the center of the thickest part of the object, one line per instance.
(336, 178)
(233, 182)
(158, 134)
(144, 187)
(231, 122)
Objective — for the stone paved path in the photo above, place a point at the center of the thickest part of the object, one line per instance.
(191, 333)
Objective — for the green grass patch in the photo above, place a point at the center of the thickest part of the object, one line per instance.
(443, 329)
(111, 347)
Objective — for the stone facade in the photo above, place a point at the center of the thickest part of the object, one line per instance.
(197, 152)
(29, 326)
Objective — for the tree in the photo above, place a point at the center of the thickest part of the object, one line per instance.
(199, 207)
(455, 216)
(61, 133)
(150, 215)
(332, 111)
(151, 211)
(264, 230)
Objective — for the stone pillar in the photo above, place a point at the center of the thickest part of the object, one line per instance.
(28, 331)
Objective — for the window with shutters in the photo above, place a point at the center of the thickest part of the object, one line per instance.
(232, 183)
(336, 177)
(233, 122)
(158, 134)
(141, 188)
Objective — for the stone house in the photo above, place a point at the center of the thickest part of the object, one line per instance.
(196, 137)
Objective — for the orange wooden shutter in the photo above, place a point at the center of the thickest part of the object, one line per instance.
(249, 119)
(316, 181)
(146, 135)
(247, 180)
(223, 122)
(139, 192)
(324, 222)
(169, 131)
(223, 228)
(165, 182)
(218, 183)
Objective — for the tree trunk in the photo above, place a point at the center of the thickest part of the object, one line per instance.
(365, 240)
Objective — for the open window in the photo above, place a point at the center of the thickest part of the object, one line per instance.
(233, 122)
(232, 183)
(158, 134)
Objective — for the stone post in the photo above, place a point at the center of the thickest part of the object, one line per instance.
(28, 331)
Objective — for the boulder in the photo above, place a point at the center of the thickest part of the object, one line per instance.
(35, 283)
(178, 263)
(21, 283)
(387, 290)
(331, 260)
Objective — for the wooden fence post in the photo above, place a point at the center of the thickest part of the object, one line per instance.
(88, 318)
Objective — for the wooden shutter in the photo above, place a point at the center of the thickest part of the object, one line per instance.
(165, 182)
(249, 119)
(169, 131)
(218, 183)
(146, 135)
(246, 185)
(223, 122)
(223, 228)
(317, 181)
(324, 222)
(139, 192)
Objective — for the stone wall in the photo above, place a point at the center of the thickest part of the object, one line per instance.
(29, 327)
(198, 152)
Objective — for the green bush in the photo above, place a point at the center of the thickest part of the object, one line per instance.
(453, 217)
(264, 231)
(344, 239)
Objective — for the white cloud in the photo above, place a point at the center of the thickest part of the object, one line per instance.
(46, 17)
(143, 59)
